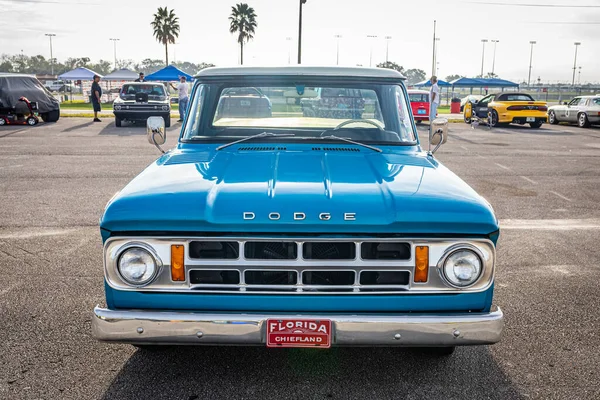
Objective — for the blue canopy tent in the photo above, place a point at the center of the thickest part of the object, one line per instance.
(482, 83)
(169, 74)
(427, 83)
(79, 74)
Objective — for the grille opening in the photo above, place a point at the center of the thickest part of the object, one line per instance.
(215, 277)
(271, 250)
(333, 278)
(271, 277)
(214, 250)
(329, 251)
(385, 251)
(384, 278)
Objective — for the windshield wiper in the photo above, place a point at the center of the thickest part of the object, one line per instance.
(377, 149)
(260, 135)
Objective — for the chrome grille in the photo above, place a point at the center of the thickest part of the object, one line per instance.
(219, 264)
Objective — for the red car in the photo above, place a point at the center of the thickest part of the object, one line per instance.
(419, 102)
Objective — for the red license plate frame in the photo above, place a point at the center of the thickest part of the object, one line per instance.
(299, 332)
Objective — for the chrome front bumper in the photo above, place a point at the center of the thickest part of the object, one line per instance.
(156, 327)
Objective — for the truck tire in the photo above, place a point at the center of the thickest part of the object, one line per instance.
(118, 122)
(51, 116)
(167, 121)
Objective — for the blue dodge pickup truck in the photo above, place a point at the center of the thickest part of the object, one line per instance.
(268, 226)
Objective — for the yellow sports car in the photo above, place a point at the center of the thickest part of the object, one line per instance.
(506, 108)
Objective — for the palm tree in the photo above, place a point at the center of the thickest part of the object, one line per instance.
(166, 28)
(243, 22)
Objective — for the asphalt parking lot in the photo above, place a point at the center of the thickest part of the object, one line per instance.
(55, 180)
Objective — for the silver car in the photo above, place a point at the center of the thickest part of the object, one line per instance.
(585, 110)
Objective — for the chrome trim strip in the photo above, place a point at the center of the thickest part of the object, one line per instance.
(435, 283)
(156, 327)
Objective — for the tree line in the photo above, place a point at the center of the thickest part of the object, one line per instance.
(39, 65)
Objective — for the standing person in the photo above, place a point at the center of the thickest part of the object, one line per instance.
(434, 98)
(182, 90)
(141, 78)
(96, 97)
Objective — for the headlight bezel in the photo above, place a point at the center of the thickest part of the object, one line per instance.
(441, 266)
(158, 264)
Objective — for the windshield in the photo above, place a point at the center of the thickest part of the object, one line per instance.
(371, 113)
(154, 91)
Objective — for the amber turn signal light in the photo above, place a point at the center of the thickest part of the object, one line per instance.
(421, 263)
(177, 265)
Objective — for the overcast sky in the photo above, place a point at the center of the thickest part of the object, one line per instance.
(83, 28)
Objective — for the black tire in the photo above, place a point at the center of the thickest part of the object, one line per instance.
(493, 118)
(32, 121)
(582, 121)
(2, 121)
(167, 121)
(118, 122)
(51, 116)
(552, 118)
(535, 125)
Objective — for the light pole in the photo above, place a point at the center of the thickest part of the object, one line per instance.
(371, 50)
(50, 35)
(289, 39)
(579, 77)
(494, 58)
(300, 32)
(337, 54)
(433, 51)
(530, 60)
(483, 41)
(437, 68)
(387, 47)
(115, 49)
(437, 39)
(575, 62)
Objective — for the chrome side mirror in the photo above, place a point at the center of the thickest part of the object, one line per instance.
(438, 134)
(155, 131)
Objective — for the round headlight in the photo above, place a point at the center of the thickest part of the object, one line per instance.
(137, 266)
(462, 268)
(117, 107)
(165, 108)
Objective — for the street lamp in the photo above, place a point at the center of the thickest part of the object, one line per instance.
(530, 59)
(433, 50)
(300, 32)
(115, 49)
(494, 58)
(337, 56)
(371, 50)
(483, 41)
(50, 35)
(387, 47)
(575, 62)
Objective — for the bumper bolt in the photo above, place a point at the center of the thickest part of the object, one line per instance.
(456, 333)
(140, 330)
(397, 336)
(199, 334)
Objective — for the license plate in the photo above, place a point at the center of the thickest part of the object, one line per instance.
(530, 119)
(298, 333)
(421, 111)
(245, 103)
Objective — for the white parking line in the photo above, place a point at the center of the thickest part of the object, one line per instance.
(560, 195)
(503, 166)
(528, 180)
(550, 224)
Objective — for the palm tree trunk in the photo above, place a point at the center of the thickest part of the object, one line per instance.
(167, 53)
(241, 53)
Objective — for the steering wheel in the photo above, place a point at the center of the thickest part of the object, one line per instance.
(352, 121)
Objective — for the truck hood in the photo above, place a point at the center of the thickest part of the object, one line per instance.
(299, 189)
